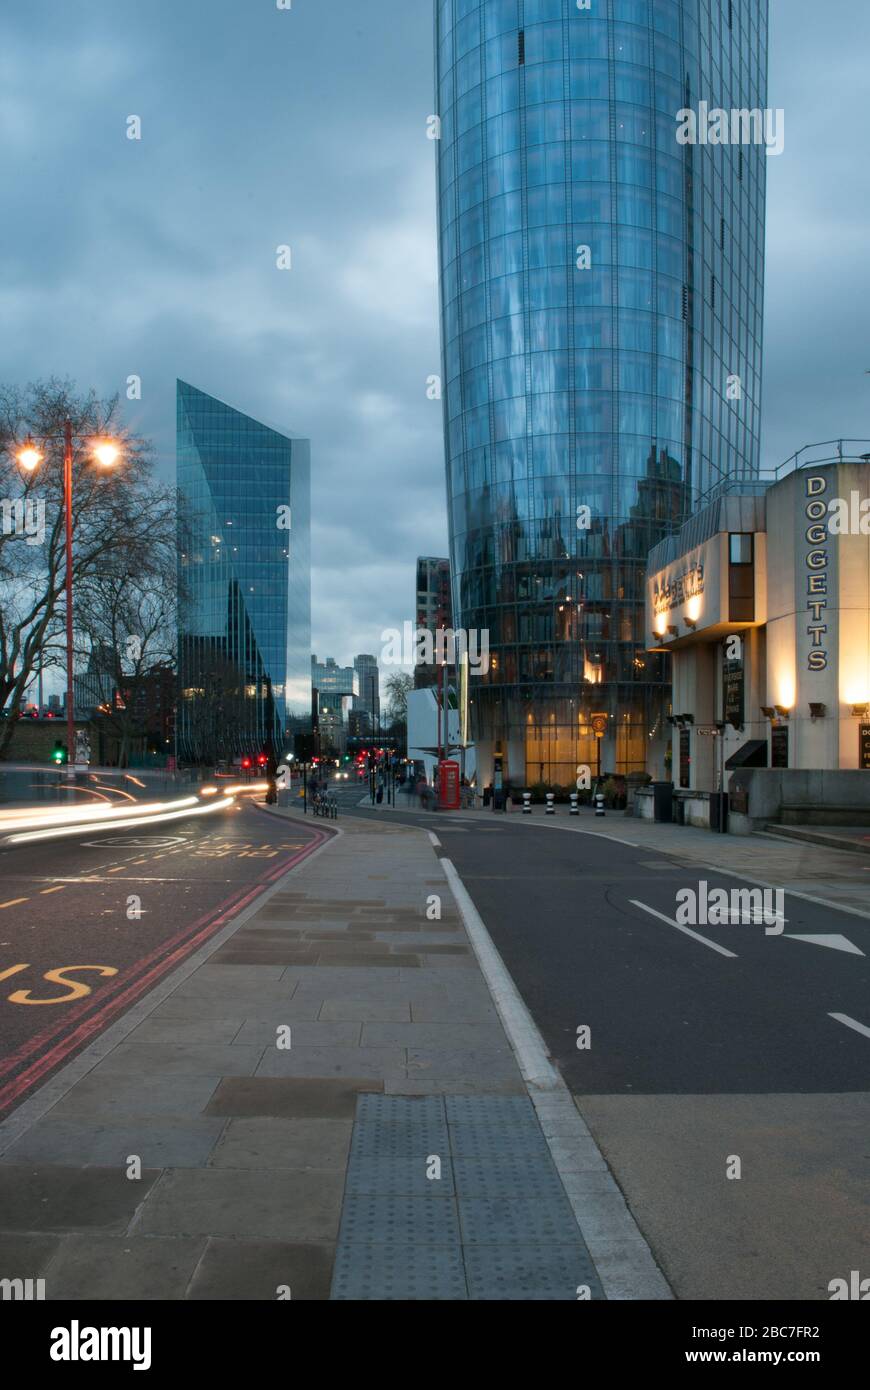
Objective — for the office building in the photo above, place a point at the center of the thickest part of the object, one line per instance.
(368, 701)
(244, 581)
(434, 609)
(601, 299)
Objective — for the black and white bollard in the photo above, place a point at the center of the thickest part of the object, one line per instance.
(599, 803)
(574, 809)
(551, 806)
(527, 803)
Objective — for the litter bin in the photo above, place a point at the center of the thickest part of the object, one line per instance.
(663, 801)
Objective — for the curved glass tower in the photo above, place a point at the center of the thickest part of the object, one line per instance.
(601, 297)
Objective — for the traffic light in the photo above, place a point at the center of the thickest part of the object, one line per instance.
(60, 753)
(246, 764)
(262, 759)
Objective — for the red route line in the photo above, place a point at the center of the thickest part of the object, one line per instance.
(130, 990)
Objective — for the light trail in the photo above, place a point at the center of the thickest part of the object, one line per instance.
(122, 822)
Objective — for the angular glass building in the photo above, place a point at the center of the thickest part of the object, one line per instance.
(601, 297)
(244, 572)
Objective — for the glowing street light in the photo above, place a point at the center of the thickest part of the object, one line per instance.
(106, 452)
(29, 456)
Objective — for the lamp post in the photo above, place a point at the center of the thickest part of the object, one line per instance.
(106, 452)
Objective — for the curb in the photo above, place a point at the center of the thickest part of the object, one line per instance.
(622, 1257)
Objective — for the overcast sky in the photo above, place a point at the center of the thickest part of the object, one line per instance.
(307, 127)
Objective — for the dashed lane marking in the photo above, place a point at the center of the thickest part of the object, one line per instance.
(696, 936)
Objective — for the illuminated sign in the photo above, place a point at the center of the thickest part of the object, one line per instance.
(671, 593)
(817, 570)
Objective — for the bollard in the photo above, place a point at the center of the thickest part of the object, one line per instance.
(599, 803)
(574, 809)
(551, 808)
(527, 803)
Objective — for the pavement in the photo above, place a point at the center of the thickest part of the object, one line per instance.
(725, 1073)
(470, 1056)
(322, 1102)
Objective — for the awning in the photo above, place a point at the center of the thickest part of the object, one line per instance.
(752, 754)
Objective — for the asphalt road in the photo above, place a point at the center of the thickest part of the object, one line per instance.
(88, 926)
(706, 1045)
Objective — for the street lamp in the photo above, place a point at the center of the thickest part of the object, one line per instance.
(106, 452)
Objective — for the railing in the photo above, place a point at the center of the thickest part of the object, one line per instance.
(810, 456)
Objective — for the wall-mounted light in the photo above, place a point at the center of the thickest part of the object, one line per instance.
(671, 629)
(690, 622)
(782, 711)
(817, 711)
(688, 718)
(768, 711)
(859, 711)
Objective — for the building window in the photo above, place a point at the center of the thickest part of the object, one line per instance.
(740, 548)
(521, 47)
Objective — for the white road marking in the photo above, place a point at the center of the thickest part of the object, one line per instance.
(434, 839)
(832, 939)
(596, 834)
(696, 936)
(851, 1023)
(622, 1258)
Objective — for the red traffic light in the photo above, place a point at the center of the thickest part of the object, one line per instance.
(246, 762)
(262, 759)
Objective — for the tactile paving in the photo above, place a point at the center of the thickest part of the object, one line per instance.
(506, 1175)
(474, 1141)
(531, 1272)
(482, 1110)
(402, 1174)
(397, 1141)
(507, 1231)
(403, 1110)
(393, 1272)
(500, 1220)
(395, 1219)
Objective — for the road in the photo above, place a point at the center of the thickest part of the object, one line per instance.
(87, 927)
(726, 1071)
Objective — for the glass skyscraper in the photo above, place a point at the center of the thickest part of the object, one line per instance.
(601, 298)
(244, 571)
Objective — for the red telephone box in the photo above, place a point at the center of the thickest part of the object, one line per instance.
(448, 786)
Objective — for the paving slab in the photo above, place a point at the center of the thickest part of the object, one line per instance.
(173, 1145)
(52, 1197)
(266, 1143)
(293, 1205)
(235, 1270)
(132, 1268)
(293, 1098)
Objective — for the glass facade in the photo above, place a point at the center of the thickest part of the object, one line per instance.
(601, 299)
(244, 580)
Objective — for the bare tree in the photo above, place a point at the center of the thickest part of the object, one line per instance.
(399, 686)
(130, 623)
(120, 518)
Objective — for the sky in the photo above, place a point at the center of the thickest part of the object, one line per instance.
(264, 127)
